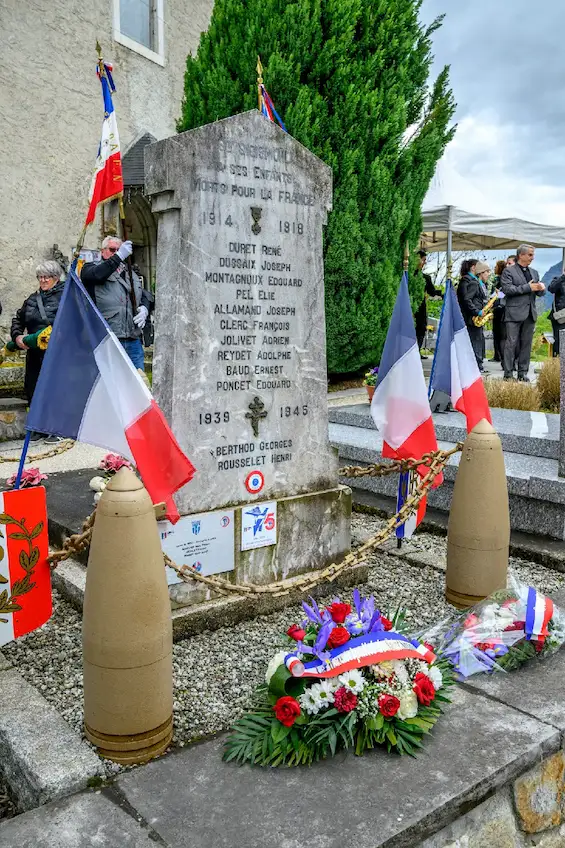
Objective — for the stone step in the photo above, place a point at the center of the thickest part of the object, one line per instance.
(529, 433)
(536, 492)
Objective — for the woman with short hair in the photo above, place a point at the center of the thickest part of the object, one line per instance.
(38, 312)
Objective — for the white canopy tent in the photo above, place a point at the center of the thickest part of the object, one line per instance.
(446, 227)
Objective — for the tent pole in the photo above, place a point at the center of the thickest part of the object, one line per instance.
(449, 243)
(563, 261)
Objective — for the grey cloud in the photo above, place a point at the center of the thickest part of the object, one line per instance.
(507, 59)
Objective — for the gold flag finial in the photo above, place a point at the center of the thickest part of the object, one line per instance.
(406, 257)
(259, 83)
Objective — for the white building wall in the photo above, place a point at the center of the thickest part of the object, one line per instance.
(51, 115)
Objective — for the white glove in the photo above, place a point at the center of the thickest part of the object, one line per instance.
(140, 317)
(125, 250)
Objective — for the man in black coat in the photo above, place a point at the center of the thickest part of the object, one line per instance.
(421, 316)
(521, 285)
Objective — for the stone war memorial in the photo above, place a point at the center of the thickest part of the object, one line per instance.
(240, 365)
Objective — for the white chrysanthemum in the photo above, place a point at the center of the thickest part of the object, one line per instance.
(323, 693)
(352, 680)
(308, 702)
(408, 704)
(399, 669)
(276, 661)
(435, 676)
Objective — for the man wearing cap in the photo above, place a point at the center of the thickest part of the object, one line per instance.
(521, 285)
(119, 296)
(421, 316)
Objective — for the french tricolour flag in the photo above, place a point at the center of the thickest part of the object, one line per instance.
(455, 370)
(90, 391)
(400, 405)
(407, 487)
(107, 181)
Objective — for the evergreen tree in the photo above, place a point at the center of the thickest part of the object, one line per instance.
(350, 79)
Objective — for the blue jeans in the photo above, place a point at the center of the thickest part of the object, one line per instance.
(134, 350)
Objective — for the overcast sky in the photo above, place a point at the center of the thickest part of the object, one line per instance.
(507, 62)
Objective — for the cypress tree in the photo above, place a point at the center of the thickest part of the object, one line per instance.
(350, 78)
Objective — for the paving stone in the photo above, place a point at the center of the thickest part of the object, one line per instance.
(538, 795)
(491, 824)
(377, 799)
(535, 688)
(90, 819)
(40, 756)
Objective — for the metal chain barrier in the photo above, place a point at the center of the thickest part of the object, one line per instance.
(60, 448)
(434, 462)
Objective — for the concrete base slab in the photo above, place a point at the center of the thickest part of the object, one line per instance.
(69, 578)
(92, 819)
(377, 799)
(40, 756)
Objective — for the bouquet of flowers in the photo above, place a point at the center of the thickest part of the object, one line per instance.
(30, 477)
(371, 377)
(110, 465)
(349, 679)
(501, 633)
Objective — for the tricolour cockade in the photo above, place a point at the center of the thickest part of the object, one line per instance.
(351, 679)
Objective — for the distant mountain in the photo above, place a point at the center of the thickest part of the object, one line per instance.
(547, 300)
(554, 271)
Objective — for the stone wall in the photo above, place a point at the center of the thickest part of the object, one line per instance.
(51, 107)
(531, 812)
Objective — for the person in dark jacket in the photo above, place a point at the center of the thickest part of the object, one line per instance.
(557, 289)
(37, 312)
(472, 296)
(421, 316)
(521, 286)
(498, 314)
(123, 305)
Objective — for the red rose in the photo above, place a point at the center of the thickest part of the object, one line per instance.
(345, 700)
(386, 623)
(429, 647)
(287, 710)
(424, 689)
(338, 636)
(339, 612)
(296, 632)
(389, 705)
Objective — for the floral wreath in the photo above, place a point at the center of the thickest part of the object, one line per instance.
(351, 679)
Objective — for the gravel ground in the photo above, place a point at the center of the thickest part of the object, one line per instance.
(7, 806)
(215, 673)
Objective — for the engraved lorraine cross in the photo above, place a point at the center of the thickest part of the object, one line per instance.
(256, 413)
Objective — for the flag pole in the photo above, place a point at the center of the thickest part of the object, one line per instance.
(259, 84)
(404, 479)
(102, 72)
(432, 372)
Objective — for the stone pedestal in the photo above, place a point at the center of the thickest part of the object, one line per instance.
(240, 355)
